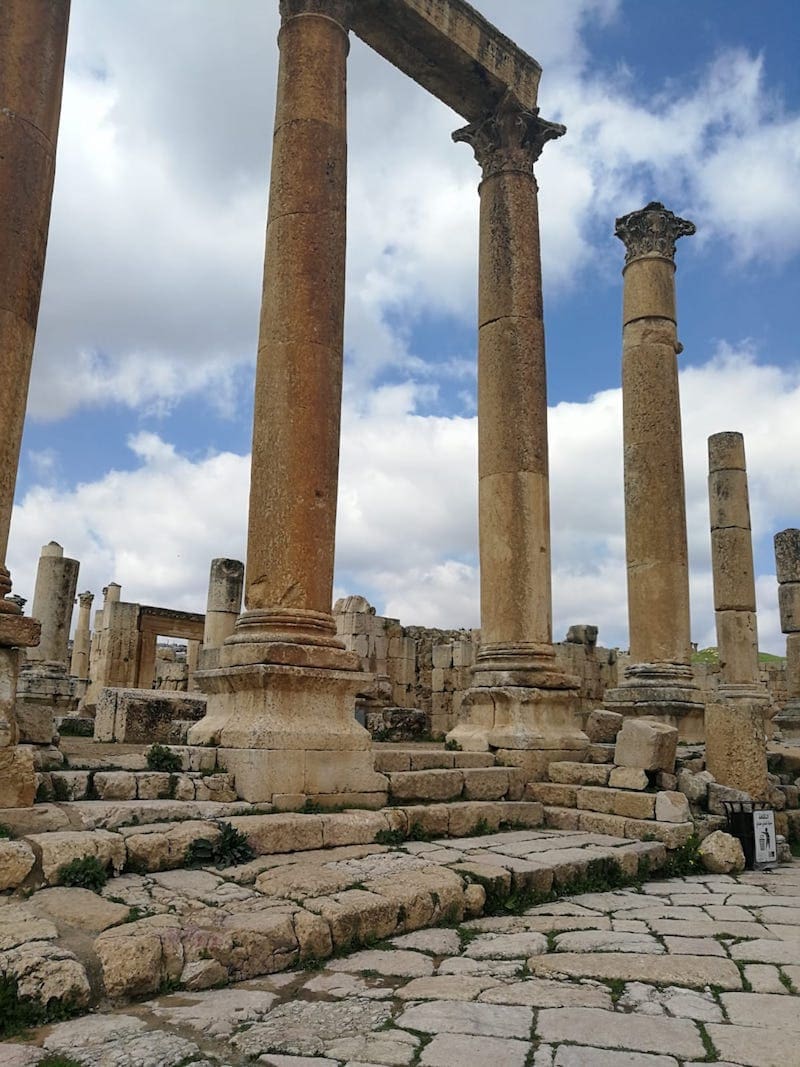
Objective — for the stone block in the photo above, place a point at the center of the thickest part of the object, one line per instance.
(426, 785)
(787, 556)
(672, 834)
(269, 834)
(595, 799)
(465, 817)
(70, 785)
(561, 818)
(552, 793)
(432, 819)
(17, 777)
(721, 853)
(115, 785)
(789, 605)
(736, 747)
(486, 783)
(672, 807)
(666, 781)
(717, 794)
(387, 760)
(647, 744)
(634, 805)
(524, 813)
(442, 655)
(694, 784)
(438, 680)
(603, 726)
(16, 862)
(61, 847)
(569, 773)
(143, 716)
(628, 778)
(595, 822)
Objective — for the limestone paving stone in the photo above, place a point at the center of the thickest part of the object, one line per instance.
(754, 1046)
(611, 941)
(455, 1050)
(662, 970)
(580, 1057)
(453, 1017)
(447, 987)
(617, 1030)
(672, 1000)
(307, 1029)
(218, 1013)
(506, 946)
(403, 963)
(546, 993)
(435, 942)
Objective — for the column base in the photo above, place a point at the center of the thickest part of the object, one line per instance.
(17, 777)
(522, 718)
(288, 730)
(665, 691)
(736, 747)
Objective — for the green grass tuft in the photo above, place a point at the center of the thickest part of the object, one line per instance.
(84, 873)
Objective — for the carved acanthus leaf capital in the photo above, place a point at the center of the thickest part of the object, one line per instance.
(510, 138)
(652, 231)
(338, 10)
(85, 599)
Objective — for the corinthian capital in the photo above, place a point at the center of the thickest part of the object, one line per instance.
(338, 10)
(85, 599)
(652, 231)
(510, 138)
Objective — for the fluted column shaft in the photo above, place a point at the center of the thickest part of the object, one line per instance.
(33, 39)
(513, 498)
(295, 463)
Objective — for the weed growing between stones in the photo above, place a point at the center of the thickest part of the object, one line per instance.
(20, 1013)
(452, 746)
(787, 983)
(161, 758)
(60, 790)
(683, 860)
(711, 1055)
(84, 873)
(389, 837)
(229, 850)
(59, 1061)
(44, 792)
(5, 833)
(76, 727)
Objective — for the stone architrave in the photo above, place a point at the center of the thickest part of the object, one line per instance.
(659, 680)
(45, 688)
(787, 563)
(79, 665)
(33, 39)
(519, 699)
(736, 752)
(281, 704)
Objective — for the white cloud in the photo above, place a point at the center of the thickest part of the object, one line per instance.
(407, 530)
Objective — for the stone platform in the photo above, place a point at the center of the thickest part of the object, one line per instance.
(686, 971)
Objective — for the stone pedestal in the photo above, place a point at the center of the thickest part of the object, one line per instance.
(659, 681)
(17, 775)
(518, 698)
(735, 745)
(45, 689)
(282, 701)
(787, 563)
(224, 603)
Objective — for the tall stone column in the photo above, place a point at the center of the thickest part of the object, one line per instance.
(518, 700)
(659, 680)
(787, 563)
(33, 38)
(45, 687)
(79, 667)
(286, 685)
(734, 724)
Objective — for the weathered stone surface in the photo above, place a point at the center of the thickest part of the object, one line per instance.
(592, 1026)
(669, 970)
(694, 784)
(506, 946)
(736, 746)
(17, 777)
(216, 1013)
(672, 807)
(545, 993)
(47, 973)
(426, 785)
(80, 908)
(483, 1020)
(59, 848)
(646, 744)
(628, 778)
(454, 1050)
(131, 1042)
(610, 941)
(404, 964)
(569, 1056)
(16, 861)
(570, 773)
(754, 1046)
(308, 1029)
(603, 726)
(719, 793)
(722, 853)
(446, 987)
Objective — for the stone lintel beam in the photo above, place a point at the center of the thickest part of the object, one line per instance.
(451, 50)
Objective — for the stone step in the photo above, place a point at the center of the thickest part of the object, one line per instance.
(65, 785)
(391, 759)
(162, 845)
(671, 834)
(204, 928)
(665, 806)
(469, 783)
(569, 773)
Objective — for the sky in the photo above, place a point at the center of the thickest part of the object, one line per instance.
(136, 449)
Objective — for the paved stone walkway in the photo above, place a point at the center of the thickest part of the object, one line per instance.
(703, 969)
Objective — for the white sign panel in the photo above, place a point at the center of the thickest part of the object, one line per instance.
(764, 829)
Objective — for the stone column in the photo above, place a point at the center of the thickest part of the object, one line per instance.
(787, 563)
(735, 741)
(519, 699)
(53, 601)
(45, 688)
(659, 680)
(224, 601)
(286, 685)
(33, 38)
(79, 667)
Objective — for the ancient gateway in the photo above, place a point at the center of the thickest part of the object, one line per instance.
(281, 684)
